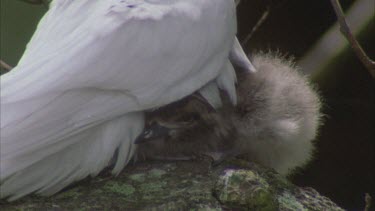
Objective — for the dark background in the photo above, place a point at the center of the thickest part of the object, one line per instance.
(344, 164)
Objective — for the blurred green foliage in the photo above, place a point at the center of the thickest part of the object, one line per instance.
(18, 21)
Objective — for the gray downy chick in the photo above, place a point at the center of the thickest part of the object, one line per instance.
(278, 114)
(274, 123)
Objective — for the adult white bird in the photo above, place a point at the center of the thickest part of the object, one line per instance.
(76, 99)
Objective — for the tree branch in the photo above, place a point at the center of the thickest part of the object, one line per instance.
(368, 200)
(256, 27)
(5, 65)
(345, 30)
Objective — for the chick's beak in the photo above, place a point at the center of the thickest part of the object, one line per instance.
(153, 132)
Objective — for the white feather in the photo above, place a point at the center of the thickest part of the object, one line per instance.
(77, 95)
(226, 81)
(238, 57)
(211, 94)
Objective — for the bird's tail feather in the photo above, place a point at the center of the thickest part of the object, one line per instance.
(238, 57)
(86, 157)
(226, 81)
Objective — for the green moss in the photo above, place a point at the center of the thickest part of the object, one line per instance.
(148, 190)
(288, 202)
(170, 167)
(123, 189)
(97, 192)
(158, 173)
(152, 187)
(262, 200)
(138, 177)
(244, 188)
(71, 194)
(189, 186)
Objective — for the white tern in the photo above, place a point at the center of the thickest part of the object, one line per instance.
(77, 96)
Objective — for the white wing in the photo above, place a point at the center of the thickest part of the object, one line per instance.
(92, 67)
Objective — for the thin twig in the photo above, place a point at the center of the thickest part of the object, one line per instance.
(5, 65)
(33, 1)
(256, 27)
(37, 2)
(345, 30)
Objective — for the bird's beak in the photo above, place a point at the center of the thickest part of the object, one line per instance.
(153, 132)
